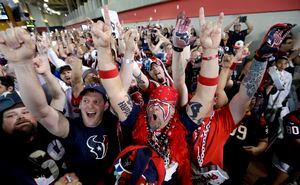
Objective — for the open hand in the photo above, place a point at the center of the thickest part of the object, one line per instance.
(131, 39)
(181, 36)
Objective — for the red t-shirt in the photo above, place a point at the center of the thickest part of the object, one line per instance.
(222, 125)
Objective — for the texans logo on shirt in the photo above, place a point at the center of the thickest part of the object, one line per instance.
(99, 148)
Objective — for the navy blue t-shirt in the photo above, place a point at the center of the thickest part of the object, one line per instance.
(40, 161)
(91, 151)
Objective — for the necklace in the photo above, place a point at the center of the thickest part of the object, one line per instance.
(200, 157)
(159, 141)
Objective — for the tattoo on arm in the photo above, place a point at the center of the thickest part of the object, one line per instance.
(139, 79)
(195, 108)
(126, 106)
(254, 77)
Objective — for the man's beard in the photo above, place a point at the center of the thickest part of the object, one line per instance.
(25, 135)
(160, 79)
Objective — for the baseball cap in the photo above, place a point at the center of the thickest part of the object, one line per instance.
(88, 71)
(94, 87)
(8, 100)
(65, 67)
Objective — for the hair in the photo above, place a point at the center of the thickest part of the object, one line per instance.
(93, 90)
(7, 81)
(282, 58)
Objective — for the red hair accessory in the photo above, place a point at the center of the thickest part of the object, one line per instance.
(108, 73)
(208, 81)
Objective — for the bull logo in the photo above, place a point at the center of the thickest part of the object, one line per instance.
(97, 147)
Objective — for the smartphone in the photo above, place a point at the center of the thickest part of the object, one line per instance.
(243, 18)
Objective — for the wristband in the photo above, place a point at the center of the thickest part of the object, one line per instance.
(128, 61)
(208, 81)
(108, 73)
(177, 49)
(233, 66)
(210, 57)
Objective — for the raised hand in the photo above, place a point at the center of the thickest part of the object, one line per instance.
(74, 62)
(227, 60)
(101, 31)
(243, 52)
(210, 33)
(272, 40)
(43, 44)
(41, 65)
(181, 35)
(161, 37)
(16, 45)
(131, 39)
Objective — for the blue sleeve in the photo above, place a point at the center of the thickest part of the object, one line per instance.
(131, 119)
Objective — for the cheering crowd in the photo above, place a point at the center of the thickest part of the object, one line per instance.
(174, 105)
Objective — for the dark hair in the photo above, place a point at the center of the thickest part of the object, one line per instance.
(290, 36)
(64, 68)
(7, 81)
(282, 58)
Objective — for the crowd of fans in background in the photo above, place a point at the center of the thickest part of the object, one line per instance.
(158, 105)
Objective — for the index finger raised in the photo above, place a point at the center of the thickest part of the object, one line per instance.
(201, 16)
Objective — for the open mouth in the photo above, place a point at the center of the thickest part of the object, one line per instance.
(154, 116)
(91, 114)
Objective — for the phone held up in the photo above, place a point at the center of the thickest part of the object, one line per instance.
(243, 18)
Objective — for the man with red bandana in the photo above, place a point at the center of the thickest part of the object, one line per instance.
(158, 125)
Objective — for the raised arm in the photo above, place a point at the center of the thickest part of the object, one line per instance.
(225, 72)
(181, 53)
(19, 50)
(250, 83)
(76, 77)
(202, 102)
(119, 99)
(227, 28)
(129, 48)
(249, 26)
(141, 78)
(42, 67)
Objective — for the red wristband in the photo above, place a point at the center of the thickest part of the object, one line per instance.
(208, 81)
(108, 73)
(210, 57)
(233, 66)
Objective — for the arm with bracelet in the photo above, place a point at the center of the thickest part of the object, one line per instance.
(180, 56)
(201, 105)
(128, 60)
(110, 78)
